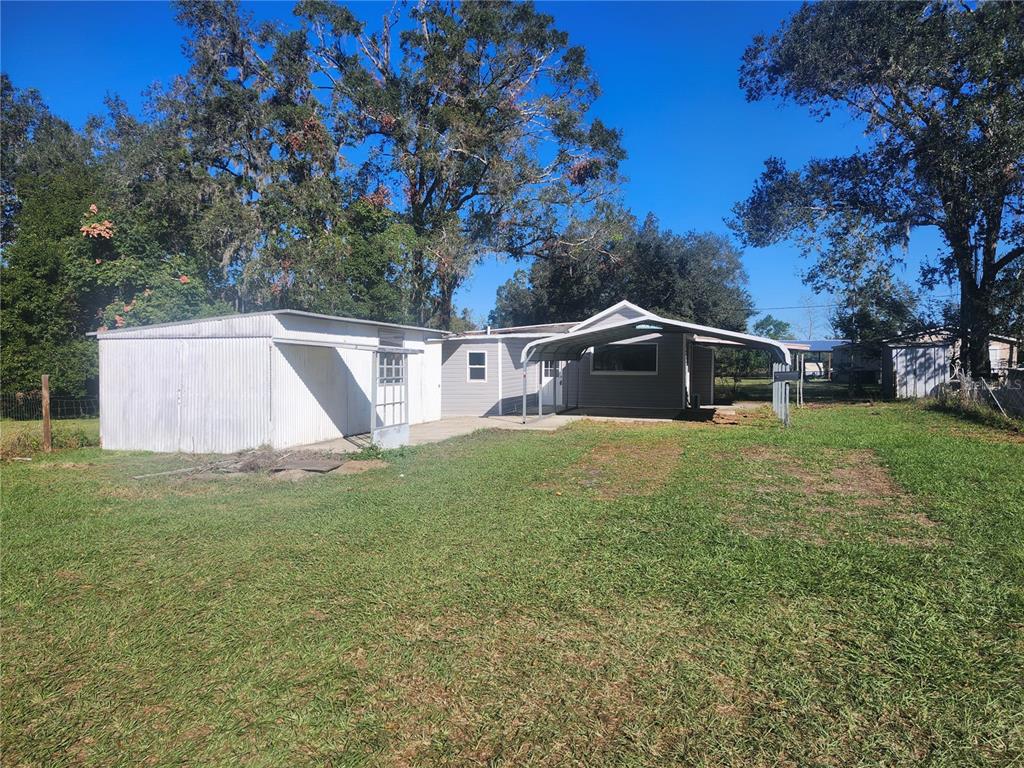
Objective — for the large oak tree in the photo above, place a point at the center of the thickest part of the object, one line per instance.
(475, 116)
(940, 87)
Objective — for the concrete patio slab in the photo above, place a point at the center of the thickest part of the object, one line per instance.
(455, 426)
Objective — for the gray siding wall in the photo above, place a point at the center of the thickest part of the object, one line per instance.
(702, 373)
(460, 397)
(581, 388)
(613, 319)
(512, 379)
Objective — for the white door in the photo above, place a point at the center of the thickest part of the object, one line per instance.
(550, 383)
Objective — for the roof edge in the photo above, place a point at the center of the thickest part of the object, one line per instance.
(263, 313)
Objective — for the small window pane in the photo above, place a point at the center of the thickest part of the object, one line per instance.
(477, 373)
(626, 358)
(477, 358)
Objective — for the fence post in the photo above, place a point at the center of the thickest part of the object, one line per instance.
(47, 441)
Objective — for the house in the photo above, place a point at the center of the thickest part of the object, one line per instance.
(915, 365)
(288, 378)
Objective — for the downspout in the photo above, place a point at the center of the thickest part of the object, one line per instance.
(686, 370)
(540, 389)
(526, 363)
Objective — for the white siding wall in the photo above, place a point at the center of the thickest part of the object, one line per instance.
(221, 385)
(197, 395)
(425, 400)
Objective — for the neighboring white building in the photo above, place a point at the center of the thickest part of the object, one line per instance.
(288, 378)
(917, 364)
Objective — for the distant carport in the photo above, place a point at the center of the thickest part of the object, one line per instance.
(573, 345)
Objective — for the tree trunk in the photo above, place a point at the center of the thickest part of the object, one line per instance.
(444, 304)
(981, 327)
(975, 326)
(418, 299)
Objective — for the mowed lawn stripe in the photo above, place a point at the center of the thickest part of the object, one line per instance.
(609, 594)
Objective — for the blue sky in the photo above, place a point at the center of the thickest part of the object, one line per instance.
(668, 72)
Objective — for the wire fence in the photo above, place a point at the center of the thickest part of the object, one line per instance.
(1005, 395)
(28, 406)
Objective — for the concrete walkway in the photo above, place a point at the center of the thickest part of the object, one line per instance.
(436, 431)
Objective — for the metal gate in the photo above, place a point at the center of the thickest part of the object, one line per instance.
(782, 374)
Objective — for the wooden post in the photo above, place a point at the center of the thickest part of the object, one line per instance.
(47, 438)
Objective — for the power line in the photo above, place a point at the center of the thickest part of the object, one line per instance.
(839, 304)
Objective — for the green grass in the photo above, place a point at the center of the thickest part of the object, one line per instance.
(25, 438)
(509, 599)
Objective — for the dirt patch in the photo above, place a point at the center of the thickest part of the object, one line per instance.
(358, 467)
(611, 470)
(291, 465)
(294, 475)
(842, 493)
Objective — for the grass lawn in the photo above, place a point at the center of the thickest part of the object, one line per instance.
(24, 438)
(847, 592)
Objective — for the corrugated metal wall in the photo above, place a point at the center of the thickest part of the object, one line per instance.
(310, 392)
(196, 395)
(918, 371)
(221, 385)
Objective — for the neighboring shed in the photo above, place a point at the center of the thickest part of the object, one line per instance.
(915, 365)
(282, 379)
(856, 364)
(817, 357)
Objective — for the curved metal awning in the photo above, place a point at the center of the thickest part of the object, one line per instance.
(572, 346)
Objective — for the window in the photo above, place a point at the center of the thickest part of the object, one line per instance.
(625, 359)
(387, 337)
(476, 366)
(550, 369)
(390, 368)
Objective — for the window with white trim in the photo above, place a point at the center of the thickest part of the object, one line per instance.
(625, 359)
(476, 366)
(550, 369)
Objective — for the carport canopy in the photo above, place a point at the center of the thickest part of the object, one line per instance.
(572, 346)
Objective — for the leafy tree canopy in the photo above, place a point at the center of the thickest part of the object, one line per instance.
(940, 87)
(773, 328)
(697, 276)
(475, 117)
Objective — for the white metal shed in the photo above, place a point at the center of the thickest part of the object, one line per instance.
(283, 378)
